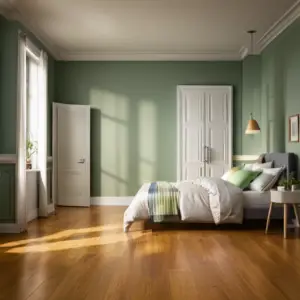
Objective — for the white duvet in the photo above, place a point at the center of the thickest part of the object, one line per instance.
(202, 200)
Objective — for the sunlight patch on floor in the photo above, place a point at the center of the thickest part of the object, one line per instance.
(79, 243)
(62, 234)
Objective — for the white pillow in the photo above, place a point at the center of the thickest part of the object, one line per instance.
(258, 167)
(266, 180)
(231, 171)
(226, 175)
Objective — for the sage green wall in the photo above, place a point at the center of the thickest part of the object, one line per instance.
(251, 102)
(281, 88)
(8, 109)
(7, 193)
(133, 133)
(8, 83)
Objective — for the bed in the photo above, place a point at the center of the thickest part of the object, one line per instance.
(256, 204)
(205, 200)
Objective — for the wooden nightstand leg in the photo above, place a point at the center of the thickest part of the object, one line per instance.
(269, 217)
(285, 217)
(296, 214)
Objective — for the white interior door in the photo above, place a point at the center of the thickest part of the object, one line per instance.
(191, 129)
(204, 131)
(218, 130)
(72, 181)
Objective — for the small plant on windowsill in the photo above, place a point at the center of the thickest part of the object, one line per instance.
(31, 148)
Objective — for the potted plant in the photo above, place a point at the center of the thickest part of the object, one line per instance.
(288, 184)
(294, 184)
(282, 185)
(31, 148)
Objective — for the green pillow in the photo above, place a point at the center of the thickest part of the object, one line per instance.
(242, 178)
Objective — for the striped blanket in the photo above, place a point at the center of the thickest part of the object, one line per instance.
(163, 199)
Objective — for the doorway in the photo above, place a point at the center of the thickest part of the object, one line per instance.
(71, 155)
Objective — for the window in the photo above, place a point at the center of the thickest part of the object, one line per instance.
(32, 110)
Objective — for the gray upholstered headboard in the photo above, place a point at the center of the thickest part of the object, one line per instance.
(289, 160)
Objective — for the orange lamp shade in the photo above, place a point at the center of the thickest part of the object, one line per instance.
(253, 127)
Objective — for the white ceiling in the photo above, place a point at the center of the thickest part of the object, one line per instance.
(166, 28)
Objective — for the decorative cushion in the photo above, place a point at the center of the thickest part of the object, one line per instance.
(258, 167)
(242, 178)
(266, 180)
(231, 171)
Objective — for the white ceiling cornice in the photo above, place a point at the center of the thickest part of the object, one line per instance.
(244, 51)
(278, 27)
(9, 8)
(150, 56)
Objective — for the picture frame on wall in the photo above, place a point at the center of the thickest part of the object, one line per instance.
(294, 128)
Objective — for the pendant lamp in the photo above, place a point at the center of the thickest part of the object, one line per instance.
(253, 127)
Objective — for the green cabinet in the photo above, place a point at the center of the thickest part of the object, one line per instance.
(7, 193)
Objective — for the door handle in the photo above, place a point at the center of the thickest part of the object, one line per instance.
(205, 154)
(81, 161)
(208, 155)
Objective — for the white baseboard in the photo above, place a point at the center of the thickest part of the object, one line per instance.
(32, 215)
(51, 208)
(9, 228)
(113, 201)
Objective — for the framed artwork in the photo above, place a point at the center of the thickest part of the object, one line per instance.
(294, 128)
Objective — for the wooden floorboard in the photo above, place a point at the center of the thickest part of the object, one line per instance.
(83, 254)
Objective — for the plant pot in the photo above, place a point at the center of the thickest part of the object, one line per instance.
(295, 187)
(28, 165)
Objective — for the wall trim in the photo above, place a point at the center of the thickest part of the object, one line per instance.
(111, 201)
(289, 17)
(151, 56)
(11, 10)
(244, 51)
(8, 158)
(10, 228)
(32, 215)
(245, 157)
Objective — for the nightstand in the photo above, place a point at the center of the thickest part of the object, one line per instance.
(284, 198)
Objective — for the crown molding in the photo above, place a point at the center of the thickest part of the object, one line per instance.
(7, 9)
(289, 17)
(244, 51)
(151, 56)
(10, 10)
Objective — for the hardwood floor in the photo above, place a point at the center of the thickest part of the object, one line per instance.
(83, 254)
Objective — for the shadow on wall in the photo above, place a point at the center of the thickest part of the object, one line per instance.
(124, 143)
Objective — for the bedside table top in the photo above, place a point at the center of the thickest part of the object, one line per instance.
(285, 197)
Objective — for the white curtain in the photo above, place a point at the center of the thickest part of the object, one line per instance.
(42, 133)
(21, 137)
(27, 48)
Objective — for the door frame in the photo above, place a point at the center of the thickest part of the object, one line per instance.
(55, 107)
(182, 88)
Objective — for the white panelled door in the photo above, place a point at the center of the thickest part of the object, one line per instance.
(204, 131)
(218, 127)
(73, 155)
(191, 142)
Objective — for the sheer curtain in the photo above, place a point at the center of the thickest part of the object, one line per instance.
(28, 49)
(42, 133)
(21, 136)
